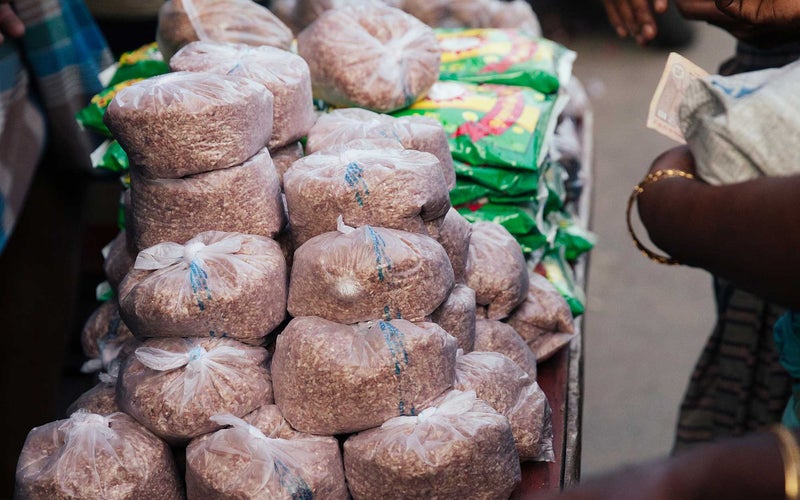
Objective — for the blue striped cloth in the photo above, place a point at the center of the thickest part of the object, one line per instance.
(45, 78)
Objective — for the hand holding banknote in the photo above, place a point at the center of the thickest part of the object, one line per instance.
(663, 115)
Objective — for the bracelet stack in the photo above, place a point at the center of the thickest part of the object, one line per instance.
(790, 453)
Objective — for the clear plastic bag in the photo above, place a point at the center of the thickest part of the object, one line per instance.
(369, 273)
(516, 14)
(331, 378)
(102, 398)
(217, 284)
(496, 269)
(456, 316)
(242, 462)
(285, 74)
(499, 381)
(118, 259)
(496, 336)
(370, 56)
(454, 235)
(458, 448)
(420, 133)
(241, 199)
(92, 456)
(284, 157)
(186, 123)
(229, 21)
(174, 386)
(104, 322)
(380, 184)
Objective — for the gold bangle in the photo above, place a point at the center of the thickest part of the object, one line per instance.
(790, 453)
(639, 189)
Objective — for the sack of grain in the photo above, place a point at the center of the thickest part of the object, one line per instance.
(370, 56)
(516, 14)
(499, 381)
(459, 448)
(369, 273)
(93, 456)
(102, 398)
(283, 73)
(174, 386)
(228, 21)
(384, 186)
(456, 316)
(454, 235)
(186, 123)
(331, 378)
(284, 157)
(496, 269)
(420, 133)
(118, 259)
(218, 284)
(544, 319)
(241, 461)
(104, 323)
(496, 336)
(241, 199)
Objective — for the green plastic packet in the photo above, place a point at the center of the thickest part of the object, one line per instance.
(555, 268)
(103, 292)
(110, 156)
(555, 177)
(467, 191)
(92, 115)
(144, 62)
(504, 56)
(519, 219)
(496, 125)
(570, 236)
(509, 181)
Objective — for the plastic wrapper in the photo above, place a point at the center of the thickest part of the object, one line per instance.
(109, 155)
(369, 273)
(508, 57)
(341, 126)
(456, 316)
(118, 259)
(331, 378)
(459, 448)
(370, 56)
(92, 115)
(496, 336)
(217, 284)
(186, 123)
(496, 269)
(555, 267)
(144, 62)
(100, 399)
(454, 236)
(104, 322)
(544, 319)
(498, 125)
(241, 199)
(92, 456)
(499, 381)
(174, 386)
(229, 21)
(365, 183)
(511, 182)
(284, 74)
(516, 14)
(475, 14)
(284, 158)
(241, 461)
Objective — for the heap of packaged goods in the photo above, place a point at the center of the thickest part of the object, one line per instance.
(258, 317)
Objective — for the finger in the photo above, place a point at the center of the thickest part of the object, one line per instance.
(645, 20)
(730, 7)
(628, 18)
(660, 6)
(10, 24)
(615, 19)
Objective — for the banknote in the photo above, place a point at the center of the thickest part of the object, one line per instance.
(663, 115)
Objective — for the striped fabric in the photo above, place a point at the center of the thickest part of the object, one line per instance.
(45, 78)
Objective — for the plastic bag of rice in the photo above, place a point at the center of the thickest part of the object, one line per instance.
(102, 398)
(499, 381)
(420, 133)
(229, 21)
(365, 183)
(458, 448)
(496, 269)
(331, 378)
(456, 316)
(186, 123)
(496, 336)
(93, 456)
(369, 273)
(455, 234)
(241, 461)
(104, 324)
(174, 386)
(284, 157)
(217, 284)
(245, 198)
(118, 259)
(284, 74)
(544, 319)
(370, 56)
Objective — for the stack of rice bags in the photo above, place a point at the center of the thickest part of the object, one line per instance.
(412, 336)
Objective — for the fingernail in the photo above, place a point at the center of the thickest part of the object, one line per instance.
(621, 32)
(648, 32)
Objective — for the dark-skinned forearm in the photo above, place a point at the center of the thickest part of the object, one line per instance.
(748, 233)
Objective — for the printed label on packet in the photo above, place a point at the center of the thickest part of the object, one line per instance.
(663, 114)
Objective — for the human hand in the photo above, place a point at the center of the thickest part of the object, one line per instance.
(757, 34)
(778, 13)
(635, 18)
(10, 24)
